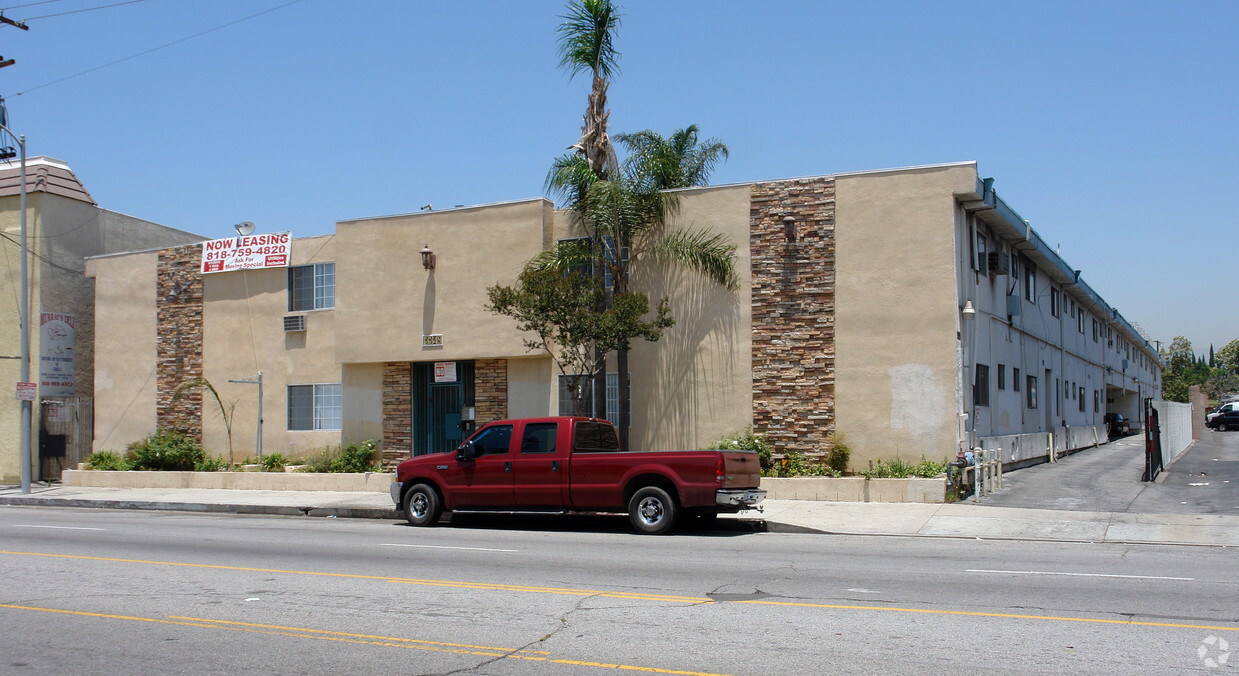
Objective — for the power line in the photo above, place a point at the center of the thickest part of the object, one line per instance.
(29, 4)
(155, 49)
(87, 9)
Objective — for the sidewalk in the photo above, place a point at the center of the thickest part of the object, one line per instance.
(960, 520)
(1094, 495)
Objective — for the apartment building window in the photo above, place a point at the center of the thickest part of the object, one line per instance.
(1015, 379)
(1002, 377)
(1032, 392)
(587, 267)
(980, 388)
(312, 287)
(1094, 330)
(1081, 399)
(1080, 321)
(1096, 401)
(1058, 396)
(315, 407)
(1030, 282)
(1054, 302)
(565, 398)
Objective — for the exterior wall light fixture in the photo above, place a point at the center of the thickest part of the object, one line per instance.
(789, 228)
(969, 312)
(428, 258)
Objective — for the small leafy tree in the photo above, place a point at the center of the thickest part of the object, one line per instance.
(562, 308)
(226, 412)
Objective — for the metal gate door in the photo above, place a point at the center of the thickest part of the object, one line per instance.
(443, 432)
(66, 433)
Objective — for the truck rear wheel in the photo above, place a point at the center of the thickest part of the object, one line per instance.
(422, 506)
(652, 511)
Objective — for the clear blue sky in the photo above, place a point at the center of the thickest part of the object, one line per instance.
(1110, 126)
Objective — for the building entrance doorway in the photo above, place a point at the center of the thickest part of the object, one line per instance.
(442, 402)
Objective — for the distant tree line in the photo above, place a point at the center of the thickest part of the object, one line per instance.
(1217, 374)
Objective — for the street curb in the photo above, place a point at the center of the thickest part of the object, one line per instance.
(205, 508)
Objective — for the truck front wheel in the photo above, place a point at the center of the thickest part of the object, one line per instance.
(652, 511)
(422, 506)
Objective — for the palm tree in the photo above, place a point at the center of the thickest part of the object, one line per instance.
(627, 215)
(586, 42)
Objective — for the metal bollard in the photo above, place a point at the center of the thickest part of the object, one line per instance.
(987, 471)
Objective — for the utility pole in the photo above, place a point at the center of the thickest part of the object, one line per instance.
(24, 386)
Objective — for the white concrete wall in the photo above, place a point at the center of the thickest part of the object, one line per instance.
(1176, 424)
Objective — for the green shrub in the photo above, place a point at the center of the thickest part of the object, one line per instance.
(839, 453)
(901, 469)
(354, 457)
(166, 450)
(929, 469)
(274, 462)
(212, 465)
(106, 460)
(794, 463)
(746, 440)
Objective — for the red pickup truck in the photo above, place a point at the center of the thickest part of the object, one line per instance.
(574, 464)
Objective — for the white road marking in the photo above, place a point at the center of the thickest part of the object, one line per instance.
(471, 549)
(859, 590)
(22, 525)
(1044, 572)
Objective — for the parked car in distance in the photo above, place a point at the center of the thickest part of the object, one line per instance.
(1228, 406)
(1117, 425)
(1227, 420)
(562, 464)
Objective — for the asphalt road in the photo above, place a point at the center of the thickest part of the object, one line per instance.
(171, 593)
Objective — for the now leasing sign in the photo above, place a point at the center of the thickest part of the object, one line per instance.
(251, 252)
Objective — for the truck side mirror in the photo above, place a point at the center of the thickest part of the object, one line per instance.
(467, 451)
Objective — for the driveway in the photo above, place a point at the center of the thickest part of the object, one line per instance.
(1203, 480)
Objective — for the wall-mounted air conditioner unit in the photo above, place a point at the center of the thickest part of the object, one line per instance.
(999, 263)
(294, 323)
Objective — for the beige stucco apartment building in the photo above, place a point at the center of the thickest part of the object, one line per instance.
(909, 310)
(64, 226)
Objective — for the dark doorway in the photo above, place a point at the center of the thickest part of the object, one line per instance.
(442, 396)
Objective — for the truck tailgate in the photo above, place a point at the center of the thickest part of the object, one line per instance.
(742, 469)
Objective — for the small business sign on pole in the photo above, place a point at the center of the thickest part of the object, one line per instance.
(27, 391)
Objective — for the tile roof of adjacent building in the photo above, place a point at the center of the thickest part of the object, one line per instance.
(43, 174)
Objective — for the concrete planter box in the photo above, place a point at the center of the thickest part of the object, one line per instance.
(370, 482)
(855, 489)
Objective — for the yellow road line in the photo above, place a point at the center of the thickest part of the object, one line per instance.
(365, 639)
(384, 578)
(977, 613)
(628, 595)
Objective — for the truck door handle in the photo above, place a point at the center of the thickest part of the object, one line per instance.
(554, 465)
(507, 467)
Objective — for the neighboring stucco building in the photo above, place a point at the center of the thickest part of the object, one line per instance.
(865, 308)
(64, 226)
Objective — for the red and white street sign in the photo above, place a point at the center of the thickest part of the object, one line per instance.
(27, 391)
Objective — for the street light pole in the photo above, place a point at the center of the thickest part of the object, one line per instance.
(257, 380)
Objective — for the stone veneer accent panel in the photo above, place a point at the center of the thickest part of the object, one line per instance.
(178, 329)
(397, 413)
(793, 306)
(490, 389)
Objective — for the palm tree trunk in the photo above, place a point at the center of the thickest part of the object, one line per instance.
(621, 364)
(600, 355)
